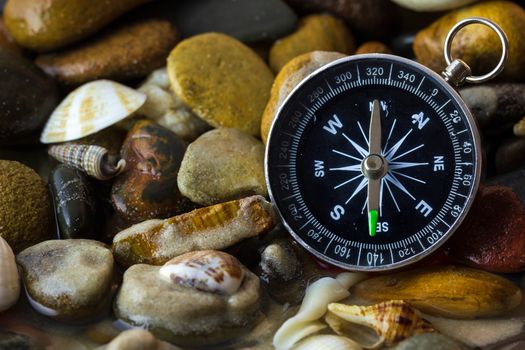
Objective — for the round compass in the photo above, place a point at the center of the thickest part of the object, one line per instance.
(372, 162)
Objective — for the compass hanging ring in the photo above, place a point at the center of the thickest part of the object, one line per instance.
(457, 71)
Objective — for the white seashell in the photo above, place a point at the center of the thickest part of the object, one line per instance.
(90, 108)
(432, 5)
(206, 270)
(9, 279)
(327, 342)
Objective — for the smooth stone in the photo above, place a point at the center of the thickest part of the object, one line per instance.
(14, 341)
(75, 203)
(110, 138)
(211, 228)
(430, 341)
(221, 80)
(478, 46)
(510, 155)
(167, 109)
(513, 180)
(372, 19)
(492, 237)
(147, 189)
(314, 33)
(221, 165)
(6, 40)
(248, 21)
(70, 280)
(54, 24)
(28, 98)
(372, 47)
(288, 78)
(432, 5)
(137, 339)
(129, 51)
(184, 315)
(25, 206)
(402, 45)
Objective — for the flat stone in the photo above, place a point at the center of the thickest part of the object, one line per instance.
(221, 80)
(129, 51)
(221, 165)
(314, 33)
(184, 315)
(70, 279)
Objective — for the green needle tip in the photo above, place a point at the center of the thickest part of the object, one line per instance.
(372, 222)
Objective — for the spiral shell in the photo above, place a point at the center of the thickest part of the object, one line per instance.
(9, 279)
(91, 159)
(327, 342)
(90, 108)
(372, 326)
(206, 270)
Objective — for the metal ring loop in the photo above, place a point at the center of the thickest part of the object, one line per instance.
(501, 34)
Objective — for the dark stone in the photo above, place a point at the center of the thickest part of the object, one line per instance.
(510, 155)
(246, 20)
(15, 341)
(27, 99)
(514, 180)
(402, 45)
(75, 204)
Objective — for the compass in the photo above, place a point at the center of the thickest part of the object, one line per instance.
(373, 160)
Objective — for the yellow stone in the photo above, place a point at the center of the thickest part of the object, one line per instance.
(221, 80)
(372, 47)
(477, 45)
(315, 33)
(291, 75)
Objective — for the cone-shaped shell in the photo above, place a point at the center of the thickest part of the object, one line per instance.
(89, 109)
(9, 279)
(372, 326)
(327, 342)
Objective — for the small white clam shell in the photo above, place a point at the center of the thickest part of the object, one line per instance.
(9, 279)
(327, 342)
(207, 270)
(90, 108)
(432, 5)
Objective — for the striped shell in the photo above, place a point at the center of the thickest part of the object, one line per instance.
(90, 108)
(9, 279)
(327, 342)
(206, 270)
(372, 326)
(93, 160)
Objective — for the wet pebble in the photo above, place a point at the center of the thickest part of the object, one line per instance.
(221, 80)
(70, 280)
(221, 165)
(137, 339)
(75, 203)
(60, 22)
(483, 56)
(493, 236)
(148, 187)
(216, 227)
(314, 33)
(127, 52)
(430, 341)
(25, 206)
(289, 76)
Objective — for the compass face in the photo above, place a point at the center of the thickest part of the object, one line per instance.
(372, 162)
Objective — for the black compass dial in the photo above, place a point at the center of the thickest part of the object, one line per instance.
(372, 162)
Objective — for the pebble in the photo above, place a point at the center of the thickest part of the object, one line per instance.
(137, 339)
(510, 155)
(512, 180)
(60, 22)
(25, 206)
(110, 138)
(216, 227)
(449, 291)
(221, 80)
(430, 341)
(221, 165)
(289, 76)
(402, 45)
(496, 107)
(314, 33)
(484, 55)
(493, 236)
(248, 21)
(15, 341)
(6, 40)
(28, 98)
(372, 19)
(128, 52)
(148, 187)
(75, 203)
(167, 109)
(373, 47)
(184, 315)
(70, 280)
(432, 5)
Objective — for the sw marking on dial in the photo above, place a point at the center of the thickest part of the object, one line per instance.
(372, 162)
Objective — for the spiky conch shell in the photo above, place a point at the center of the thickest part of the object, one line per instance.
(90, 108)
(387, 323)
(91, 159)
(9, 278)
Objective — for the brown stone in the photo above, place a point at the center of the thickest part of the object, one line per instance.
(373, 47)
(127, 52)
(6, 40)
